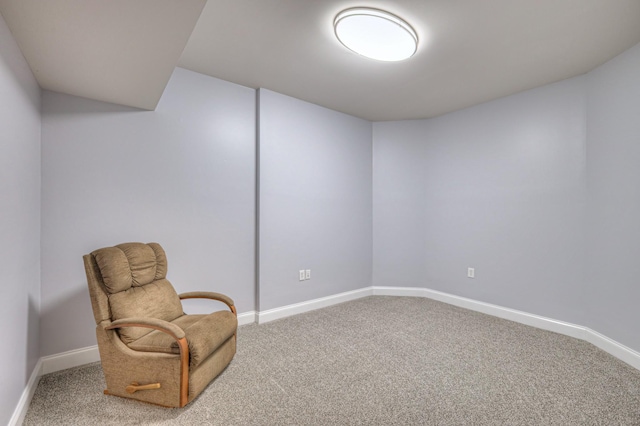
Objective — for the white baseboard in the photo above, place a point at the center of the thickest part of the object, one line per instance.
(487, 308)
(69, 359)
(310, 305)
(247, 318)
(399, 291)
(614, 348)
(601, 341)
(27, 394)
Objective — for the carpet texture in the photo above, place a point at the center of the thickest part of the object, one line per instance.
(378, 361)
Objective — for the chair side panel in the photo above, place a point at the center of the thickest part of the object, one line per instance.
(122, 366)
(202, 375)
(97, 293)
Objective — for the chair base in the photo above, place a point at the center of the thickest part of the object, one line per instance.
(106, 392)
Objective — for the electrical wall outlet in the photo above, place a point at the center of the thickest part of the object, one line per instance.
(471, 272)
(307, 274)
(301, 274)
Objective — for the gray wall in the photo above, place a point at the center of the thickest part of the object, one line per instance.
(499, 187)
(537, 191)
(19, 222)
(315, 201)
(183, 175)
(613, 153)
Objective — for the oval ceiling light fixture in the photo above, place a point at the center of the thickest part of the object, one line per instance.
(375, 34)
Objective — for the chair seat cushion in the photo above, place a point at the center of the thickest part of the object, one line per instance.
(204, 333)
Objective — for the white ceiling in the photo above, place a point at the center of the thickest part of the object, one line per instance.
(119, 51)
(471, 51)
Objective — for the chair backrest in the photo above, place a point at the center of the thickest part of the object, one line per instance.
(129, 281)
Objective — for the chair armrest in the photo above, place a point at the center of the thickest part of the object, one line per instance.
(157, 324)
(210, 295)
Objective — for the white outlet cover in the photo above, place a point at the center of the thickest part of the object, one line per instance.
(471, 272)
(301, 274)
(307, 274)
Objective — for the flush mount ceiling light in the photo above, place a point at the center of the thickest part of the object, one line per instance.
(375, 34)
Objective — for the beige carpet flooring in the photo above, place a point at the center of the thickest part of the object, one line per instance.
(378, 361)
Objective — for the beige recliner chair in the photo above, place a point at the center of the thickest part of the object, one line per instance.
(149, 348)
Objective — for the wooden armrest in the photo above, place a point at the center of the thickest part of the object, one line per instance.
(210, 295)
(154, 323)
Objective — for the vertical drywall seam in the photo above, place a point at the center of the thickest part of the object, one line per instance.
(373, 201)
(257, 208)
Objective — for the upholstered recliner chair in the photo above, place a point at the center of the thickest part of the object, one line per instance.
(149, 348)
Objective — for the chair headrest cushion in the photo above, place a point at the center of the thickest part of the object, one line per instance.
(131, 264)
